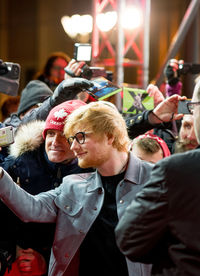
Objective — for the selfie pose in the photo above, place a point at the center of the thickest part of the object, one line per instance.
(86, 207)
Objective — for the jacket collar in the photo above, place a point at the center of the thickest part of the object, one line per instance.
(133, 173)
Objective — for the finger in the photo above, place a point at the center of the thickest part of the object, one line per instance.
(178, 116)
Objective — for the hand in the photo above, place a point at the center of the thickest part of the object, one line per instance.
(155, 93)
(30, 262)
(166, 111)
(68, 90)
(74, 68)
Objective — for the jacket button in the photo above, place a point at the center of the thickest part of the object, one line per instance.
(139, 117)
(67, 207)
(81, 231)
(95, 208)
(121, 201)
(27, 180)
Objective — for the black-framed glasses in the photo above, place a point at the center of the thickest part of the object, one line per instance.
(191, 106)
(79, 136)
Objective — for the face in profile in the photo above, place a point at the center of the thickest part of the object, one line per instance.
(57, 147)
(187, 138)
(94, 152)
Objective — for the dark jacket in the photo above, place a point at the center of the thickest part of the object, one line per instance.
(139, 124)
(14, 120)
(161, 226)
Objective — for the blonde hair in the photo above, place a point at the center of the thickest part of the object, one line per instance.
(100, 119)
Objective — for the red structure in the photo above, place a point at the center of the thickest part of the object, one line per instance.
(130, 48)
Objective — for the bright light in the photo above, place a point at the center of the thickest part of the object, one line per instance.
(106, 21)
(77, 24)
(86, 24)
(67, 25)
(82, 24)
(132, 18)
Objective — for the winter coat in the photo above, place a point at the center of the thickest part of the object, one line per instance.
(14, 120)
(28, 163)
(74, 206)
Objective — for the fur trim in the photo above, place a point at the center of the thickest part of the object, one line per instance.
(28, 137)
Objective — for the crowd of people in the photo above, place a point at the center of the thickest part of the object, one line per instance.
(87, 191)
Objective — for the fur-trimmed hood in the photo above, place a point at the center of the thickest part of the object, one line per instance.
(28, 137)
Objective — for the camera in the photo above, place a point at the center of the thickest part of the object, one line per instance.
(83, 52)
(9, 78)
(191, 68)
(6, 136)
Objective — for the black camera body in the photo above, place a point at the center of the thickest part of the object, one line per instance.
(186, 68)
(9, 78)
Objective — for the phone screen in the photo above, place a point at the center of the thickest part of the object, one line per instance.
(182, 107)
(103, 88)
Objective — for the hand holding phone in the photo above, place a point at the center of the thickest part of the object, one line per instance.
(6, 136)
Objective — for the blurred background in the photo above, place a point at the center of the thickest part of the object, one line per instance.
(31, 30)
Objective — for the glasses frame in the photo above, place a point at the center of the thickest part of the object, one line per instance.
(75, 137)
(191, 105)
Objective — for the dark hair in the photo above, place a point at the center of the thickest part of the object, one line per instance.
(48, 65)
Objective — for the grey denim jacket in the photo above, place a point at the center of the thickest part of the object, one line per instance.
(74, 206)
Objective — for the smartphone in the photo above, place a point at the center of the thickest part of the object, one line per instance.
(103, 88)
(82, 52)
(9, 78)
(182, 107)
(6, 136)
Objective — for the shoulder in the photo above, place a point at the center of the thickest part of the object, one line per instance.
(181, 159)
(77, 178)
(138, 171)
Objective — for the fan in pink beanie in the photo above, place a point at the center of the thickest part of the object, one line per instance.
(57, 116)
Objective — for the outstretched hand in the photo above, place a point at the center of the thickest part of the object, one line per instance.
(167, 110)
